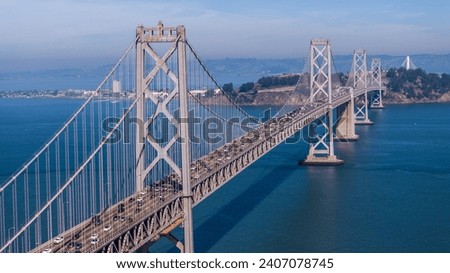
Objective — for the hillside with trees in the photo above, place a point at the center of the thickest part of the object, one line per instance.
(281, 80)
(415, 85)
(268, 90)
(403, 86)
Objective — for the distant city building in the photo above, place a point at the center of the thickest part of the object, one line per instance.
(116, 86)
(198, 92)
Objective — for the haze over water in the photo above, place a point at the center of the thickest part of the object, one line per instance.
(390, 196)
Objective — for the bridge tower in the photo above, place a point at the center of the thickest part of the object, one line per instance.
(322, 151)
(408, 64)
(359, 69)
(147, 39)
(376, 73)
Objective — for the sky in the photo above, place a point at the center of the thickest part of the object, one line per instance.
(49, 34)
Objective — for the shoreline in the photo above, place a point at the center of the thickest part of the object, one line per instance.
(274, 97)
(240, 104)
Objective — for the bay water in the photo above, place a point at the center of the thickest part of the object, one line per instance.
(391, 195)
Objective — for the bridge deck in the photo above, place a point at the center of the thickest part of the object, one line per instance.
(141, 218)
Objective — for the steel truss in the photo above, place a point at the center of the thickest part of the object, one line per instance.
(322, 152)
(359, 69)
(176, 38)
(376, 74)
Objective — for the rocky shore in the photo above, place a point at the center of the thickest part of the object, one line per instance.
(398, 98)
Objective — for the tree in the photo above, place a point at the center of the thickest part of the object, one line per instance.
(416, 83)
(245, 87)
(281, 80)
(228, 88)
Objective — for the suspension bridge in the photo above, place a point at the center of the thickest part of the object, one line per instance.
(156, 138)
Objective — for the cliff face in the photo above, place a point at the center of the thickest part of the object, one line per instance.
(391, 97)
(445, 97)
(398, 98)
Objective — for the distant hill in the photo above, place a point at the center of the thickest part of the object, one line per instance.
(236, 70)
(243, 70)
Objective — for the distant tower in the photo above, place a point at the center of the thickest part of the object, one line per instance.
(408, 64)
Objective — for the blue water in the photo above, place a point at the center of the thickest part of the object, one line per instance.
(392, 194)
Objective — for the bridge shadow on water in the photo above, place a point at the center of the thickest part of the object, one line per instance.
(236, 209)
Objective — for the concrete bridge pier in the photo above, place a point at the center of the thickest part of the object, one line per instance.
(345, 127)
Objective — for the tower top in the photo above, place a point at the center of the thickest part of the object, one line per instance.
(160, 33)
(408, 64)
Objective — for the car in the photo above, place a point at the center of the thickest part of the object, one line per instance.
(139, 201)
(58, 240)
(121, 208)
(96, 220)
(131, 200)
(47, 250)
(107, 228)
(71, 244)
(94, 239)
(115, 218)
(143, 193)
(78, 245)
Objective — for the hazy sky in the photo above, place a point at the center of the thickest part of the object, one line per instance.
(71, 33)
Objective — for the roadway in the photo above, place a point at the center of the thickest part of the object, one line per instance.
(96, 233)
